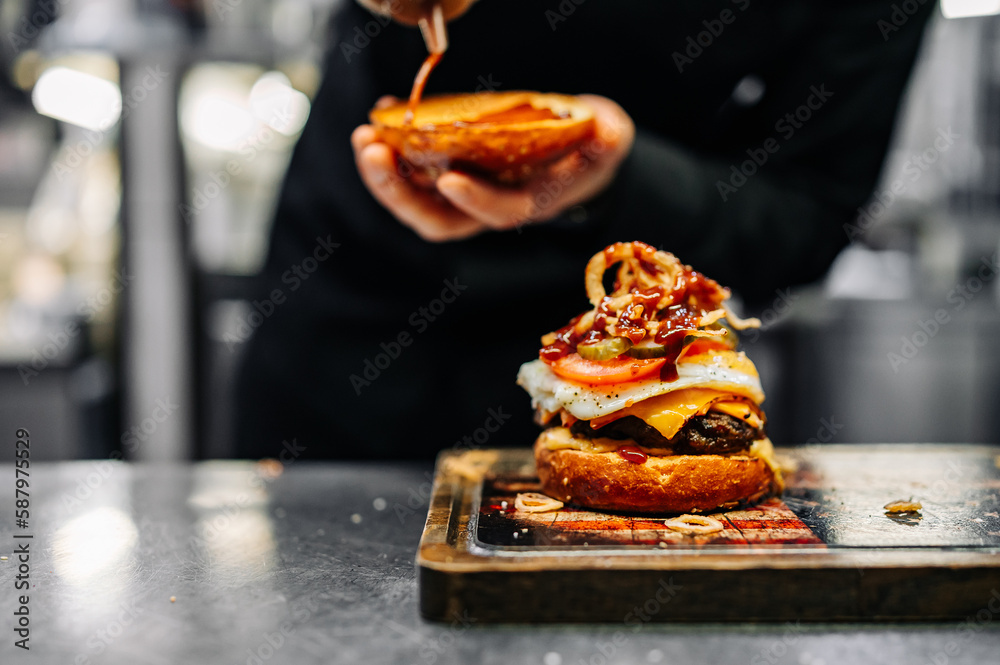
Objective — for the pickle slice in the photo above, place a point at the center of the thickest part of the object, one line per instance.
(606, 349)
(648, 349)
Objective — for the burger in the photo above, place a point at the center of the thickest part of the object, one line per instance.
(646, 402)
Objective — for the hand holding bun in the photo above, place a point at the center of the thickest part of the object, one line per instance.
(462, 193)
(505, 136)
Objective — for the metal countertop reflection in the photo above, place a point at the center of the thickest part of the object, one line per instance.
(237, 562)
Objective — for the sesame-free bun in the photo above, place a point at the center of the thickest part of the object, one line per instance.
(486, 132)
(661, 484)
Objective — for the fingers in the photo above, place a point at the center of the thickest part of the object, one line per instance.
(613, 140)
(575, 179)
(362, 136)
(459, 205)
(495, 206)
(386, 100)
(421, 210)
(614, 126)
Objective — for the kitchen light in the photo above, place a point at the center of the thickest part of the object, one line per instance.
(218, 123)
(277, 104)
(78, 98)
(966, 8)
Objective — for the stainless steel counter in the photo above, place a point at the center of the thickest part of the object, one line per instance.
(228, 563)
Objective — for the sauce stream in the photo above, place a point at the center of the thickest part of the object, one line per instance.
(419, 83)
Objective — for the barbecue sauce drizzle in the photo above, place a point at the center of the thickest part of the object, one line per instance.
(419, 83)
(681, 319)
(632, 454)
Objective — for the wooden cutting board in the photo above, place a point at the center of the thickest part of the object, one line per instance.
(825, 550)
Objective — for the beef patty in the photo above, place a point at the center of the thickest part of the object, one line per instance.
(712, 433)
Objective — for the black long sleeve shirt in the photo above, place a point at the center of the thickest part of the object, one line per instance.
(762, 127)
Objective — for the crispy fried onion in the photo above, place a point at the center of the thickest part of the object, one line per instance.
(632, 274)
(694, 524)
(642, 266)
(737, 322)
(533, 502)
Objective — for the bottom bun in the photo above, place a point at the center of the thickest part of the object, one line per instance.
(661, 484)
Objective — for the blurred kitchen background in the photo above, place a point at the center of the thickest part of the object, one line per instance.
(142, 144)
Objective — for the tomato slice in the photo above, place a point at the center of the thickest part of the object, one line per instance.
(703, 345)
(617, 370)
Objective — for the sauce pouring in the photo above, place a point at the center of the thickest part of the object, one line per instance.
(430, 16)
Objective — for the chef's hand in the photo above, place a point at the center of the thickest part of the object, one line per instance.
(458, 205)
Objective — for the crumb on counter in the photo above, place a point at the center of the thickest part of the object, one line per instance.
(900, 506)
(269, 468)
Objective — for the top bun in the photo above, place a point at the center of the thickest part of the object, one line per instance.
(506, 135)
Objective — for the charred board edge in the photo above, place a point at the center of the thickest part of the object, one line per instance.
(838, 584)
(761, 594)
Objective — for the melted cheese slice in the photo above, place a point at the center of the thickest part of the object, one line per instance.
(725, 371)
(740, 409)
(560, 438)
(667, 413)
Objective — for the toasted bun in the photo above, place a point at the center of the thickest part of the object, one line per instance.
(451, 131)
(662, 484)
